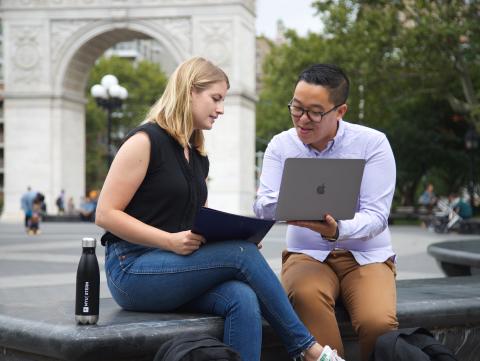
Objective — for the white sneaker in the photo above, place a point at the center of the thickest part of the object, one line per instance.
(329, 355)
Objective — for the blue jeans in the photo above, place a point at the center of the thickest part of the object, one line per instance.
(230, 279)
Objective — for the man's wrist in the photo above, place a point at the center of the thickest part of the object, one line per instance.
(334, 237)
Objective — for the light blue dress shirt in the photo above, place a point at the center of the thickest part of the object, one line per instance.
(367, 235)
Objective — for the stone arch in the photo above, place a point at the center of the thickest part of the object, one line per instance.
(49, 46)
(89, 43)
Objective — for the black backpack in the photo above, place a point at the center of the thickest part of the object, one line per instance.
(199, 347)
(410, 344)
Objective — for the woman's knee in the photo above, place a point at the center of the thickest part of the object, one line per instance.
(243, 300)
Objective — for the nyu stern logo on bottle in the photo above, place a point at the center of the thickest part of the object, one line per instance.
(86, 296)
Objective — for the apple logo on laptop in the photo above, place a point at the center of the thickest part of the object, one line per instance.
(321, 189)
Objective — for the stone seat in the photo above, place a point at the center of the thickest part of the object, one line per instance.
(449, 307)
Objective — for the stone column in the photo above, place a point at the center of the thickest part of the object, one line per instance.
(44, 134)
(230, 43)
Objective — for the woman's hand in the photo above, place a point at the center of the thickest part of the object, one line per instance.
(186, 242)
(327, 228)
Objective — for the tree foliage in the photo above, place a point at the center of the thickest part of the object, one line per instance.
(280, 72)
(145, 83)
(415, 75)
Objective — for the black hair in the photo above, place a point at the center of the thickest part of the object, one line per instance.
(329, 76)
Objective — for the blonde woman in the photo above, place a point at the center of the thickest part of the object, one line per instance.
(154, 263)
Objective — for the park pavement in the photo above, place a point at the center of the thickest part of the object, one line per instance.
(41, 269)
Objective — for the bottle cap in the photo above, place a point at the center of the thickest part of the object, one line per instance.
(89, 242)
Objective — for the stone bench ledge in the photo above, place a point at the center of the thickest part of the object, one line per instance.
(27, 331)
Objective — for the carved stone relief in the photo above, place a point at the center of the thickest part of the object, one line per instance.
(217, 42)
(60, 31)
(180, 29)
(26, 56)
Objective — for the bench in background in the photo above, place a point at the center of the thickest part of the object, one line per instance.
(66, 218)
(408, 213)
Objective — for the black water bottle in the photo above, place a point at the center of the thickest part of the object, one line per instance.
(88, 285)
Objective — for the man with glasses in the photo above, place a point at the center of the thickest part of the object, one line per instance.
(351, 260)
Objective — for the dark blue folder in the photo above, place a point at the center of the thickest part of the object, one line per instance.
(217, 226)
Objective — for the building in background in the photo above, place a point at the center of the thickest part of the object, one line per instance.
(143, 49)
(262, 49)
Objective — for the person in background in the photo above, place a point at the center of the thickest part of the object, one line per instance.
(87, 209)
(26, 203)
(34, 222)
(71, 206)
(335, 259)
(93, 195)
(459, 206)
(153, 261)
(43, 206)
(428, 199)
(60, 202)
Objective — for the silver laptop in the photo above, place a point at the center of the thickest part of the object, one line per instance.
(312, 187)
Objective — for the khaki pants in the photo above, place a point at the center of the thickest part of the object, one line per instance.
(367, 292)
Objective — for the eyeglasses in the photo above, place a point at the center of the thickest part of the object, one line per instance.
(315, 117)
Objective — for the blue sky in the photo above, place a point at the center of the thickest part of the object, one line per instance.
(296, 14)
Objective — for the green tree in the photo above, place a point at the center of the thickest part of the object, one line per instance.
(402, 81)
(145, 83)
(446, 35)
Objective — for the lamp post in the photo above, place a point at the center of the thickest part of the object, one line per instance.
(109, 95)
(471, 144)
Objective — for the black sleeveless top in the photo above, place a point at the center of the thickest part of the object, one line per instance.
(173, 188)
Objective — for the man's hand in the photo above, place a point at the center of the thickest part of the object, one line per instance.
(327, 228)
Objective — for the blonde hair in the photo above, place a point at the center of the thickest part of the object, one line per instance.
(173, 111)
